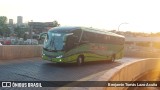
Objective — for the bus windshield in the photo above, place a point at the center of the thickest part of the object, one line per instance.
(55, 41)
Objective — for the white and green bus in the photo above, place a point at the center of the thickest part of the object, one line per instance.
(81, 44)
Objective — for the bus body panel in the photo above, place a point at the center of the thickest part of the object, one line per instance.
(103, 48)
(90, 52)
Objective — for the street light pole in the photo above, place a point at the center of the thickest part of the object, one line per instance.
(121, 24)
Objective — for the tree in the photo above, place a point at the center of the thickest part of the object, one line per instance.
(19, 32)
(55, 23)
(4, 30)
(25, 37)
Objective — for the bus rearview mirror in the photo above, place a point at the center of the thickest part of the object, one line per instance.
(42, 36)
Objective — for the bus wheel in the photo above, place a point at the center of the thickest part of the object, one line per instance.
(113, 58)
(80, 60)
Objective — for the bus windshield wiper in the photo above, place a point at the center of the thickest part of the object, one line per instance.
(52, 43)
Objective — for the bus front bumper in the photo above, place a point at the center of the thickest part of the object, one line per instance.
(57, 60)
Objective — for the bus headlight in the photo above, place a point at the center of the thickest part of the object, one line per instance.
(59, 56)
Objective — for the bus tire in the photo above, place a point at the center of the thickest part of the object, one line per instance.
(80, 60)
(113, 58)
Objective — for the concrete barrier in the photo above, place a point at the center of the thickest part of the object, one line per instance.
(19, 51)
(141, 52)
(129, 72)
(29, 51)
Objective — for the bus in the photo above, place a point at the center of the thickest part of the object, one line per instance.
(81, 44)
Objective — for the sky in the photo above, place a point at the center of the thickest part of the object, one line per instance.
(128, 15)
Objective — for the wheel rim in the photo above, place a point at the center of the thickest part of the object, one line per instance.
(80, 60)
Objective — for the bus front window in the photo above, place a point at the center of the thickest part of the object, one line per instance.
(55, 41)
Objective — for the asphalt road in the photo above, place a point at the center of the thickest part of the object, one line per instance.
(36, 69)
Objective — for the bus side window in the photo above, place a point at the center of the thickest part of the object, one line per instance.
(72, 40)
(69, 42)
(93, 37)
(122, 40)
(85, 37)
(104, 39)
(110, 40)
(77, 34)
(98, 38)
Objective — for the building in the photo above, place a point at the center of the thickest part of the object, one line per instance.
(11, 26)
(11, 22)
(19, 20)
(39, 27)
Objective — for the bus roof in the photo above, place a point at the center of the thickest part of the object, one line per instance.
(64, 29)
(102, 32)
(72, 28)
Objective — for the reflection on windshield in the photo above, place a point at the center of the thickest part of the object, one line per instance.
(55, 41)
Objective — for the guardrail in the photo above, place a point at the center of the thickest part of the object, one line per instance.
(29, 51)
(19, 51)
(130, 51)
(130, 71)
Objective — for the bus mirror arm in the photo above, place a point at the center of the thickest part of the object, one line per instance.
(41, 36)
